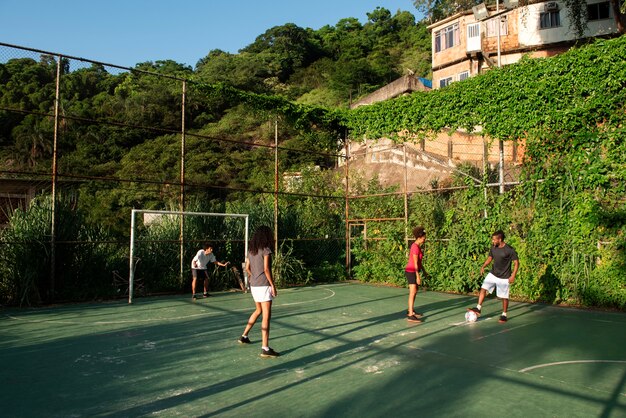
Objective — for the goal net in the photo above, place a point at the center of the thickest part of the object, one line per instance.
(171, 238)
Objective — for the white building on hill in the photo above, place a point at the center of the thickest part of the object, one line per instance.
(463, 47)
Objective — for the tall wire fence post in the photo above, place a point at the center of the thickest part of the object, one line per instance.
(131, 257)
(485, 173)
(182, 180)
(275, 187)
(406, 196)
(501, 168)
(346, 144)
(53, 204)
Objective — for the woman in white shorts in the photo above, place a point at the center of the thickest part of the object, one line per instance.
(259, 269)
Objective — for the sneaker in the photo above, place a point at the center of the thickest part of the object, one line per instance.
(502, 319)
(244, 340)
(413, 318)
(205, 295)
(269, 353)
(193, 297)
(475, 310)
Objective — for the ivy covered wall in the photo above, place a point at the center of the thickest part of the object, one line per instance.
(567, 218)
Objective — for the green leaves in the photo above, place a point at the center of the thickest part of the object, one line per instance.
(571, 92)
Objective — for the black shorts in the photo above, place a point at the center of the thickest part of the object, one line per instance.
(194, 273)
(411, 277)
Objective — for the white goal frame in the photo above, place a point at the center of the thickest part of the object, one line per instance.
(134, 212)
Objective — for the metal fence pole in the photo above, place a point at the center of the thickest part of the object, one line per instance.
(275, 186)
(347, 159)
(57, 99)
(406, 198)
(501, 170)
(131, 257)
(485, 174)
(182, 180)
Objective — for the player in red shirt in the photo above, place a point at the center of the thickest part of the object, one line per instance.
(414, 271)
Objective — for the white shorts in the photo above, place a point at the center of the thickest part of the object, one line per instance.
(501, 285)
(261, 293)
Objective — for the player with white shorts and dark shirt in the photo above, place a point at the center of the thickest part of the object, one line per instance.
(502, 274)
(259, 269)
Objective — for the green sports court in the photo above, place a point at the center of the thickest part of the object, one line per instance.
(346, 351)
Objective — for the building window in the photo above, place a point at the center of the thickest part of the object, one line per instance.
(447, 37)
(445, 82)
(492, 27)
(464, 75)
(598, 11)
(473, 30)
(550, 20)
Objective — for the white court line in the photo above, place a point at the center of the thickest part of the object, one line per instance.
(558, 363)
(121, 321)
(169, 318)
(466, 323)
(507, 369)
(502, 331)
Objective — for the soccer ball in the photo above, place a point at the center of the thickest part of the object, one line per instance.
(470, 316)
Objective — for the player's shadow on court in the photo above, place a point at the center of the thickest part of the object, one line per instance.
(432, 312)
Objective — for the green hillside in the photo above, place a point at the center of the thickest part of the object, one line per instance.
(120, 144)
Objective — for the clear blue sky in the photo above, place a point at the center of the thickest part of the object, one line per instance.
(127, 32)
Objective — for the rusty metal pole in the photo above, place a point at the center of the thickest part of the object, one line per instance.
(406, 199)
(182, 181)
(500, 142)
(501, 168)
(365, 235)
(53, 203)
(347, 203)
(485, 174)
(276, 186)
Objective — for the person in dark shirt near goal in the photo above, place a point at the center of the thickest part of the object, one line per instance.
(502, 274)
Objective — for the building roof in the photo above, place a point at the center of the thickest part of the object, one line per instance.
(403, 85)
(449, 19)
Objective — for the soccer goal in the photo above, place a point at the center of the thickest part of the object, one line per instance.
(160, 214)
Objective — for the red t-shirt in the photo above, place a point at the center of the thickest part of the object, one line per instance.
(410, 266)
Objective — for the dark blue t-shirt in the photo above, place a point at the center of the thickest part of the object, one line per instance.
(502, 260)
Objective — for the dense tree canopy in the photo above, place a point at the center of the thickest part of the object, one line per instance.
(329, 66)
(125, 125)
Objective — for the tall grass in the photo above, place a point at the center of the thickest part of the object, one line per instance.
(83, 255)
(87, 255)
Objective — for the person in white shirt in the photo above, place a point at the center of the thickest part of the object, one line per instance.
(199, 264)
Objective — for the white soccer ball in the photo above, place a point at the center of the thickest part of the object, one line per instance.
(470, 316)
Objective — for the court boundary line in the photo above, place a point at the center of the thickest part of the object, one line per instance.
(502, 331)
(468, 323)
(132, 321)
(568, 384)
(559, 363)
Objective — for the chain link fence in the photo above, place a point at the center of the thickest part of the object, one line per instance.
(80, 137)
(79, 140)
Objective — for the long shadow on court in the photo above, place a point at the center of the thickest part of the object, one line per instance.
(432, 311)
(439, 370)
(377, 364)
(456, 377)
(320, 357)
